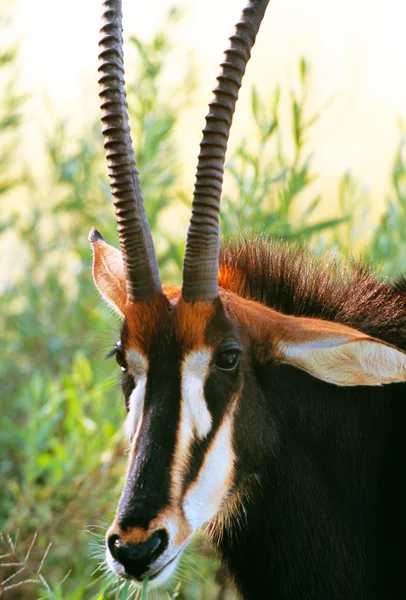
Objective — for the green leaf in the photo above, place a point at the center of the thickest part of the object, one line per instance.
(297, 122)
(304, 68)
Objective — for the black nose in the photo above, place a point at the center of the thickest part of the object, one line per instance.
(137, 558)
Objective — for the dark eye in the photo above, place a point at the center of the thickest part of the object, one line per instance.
(120, 358)
(227, 360)
(118, 352)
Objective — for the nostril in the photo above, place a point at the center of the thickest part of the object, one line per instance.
(136, 558)
(145, 549)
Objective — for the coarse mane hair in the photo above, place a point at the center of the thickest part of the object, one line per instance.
(295, 281)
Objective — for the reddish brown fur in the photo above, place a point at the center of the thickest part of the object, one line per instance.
(292, 281)
(137, 535)
(190, 322)
(256, 277)
(143, 320)
(265, 326)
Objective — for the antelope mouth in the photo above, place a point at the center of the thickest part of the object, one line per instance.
(157, 576)
(171, 563)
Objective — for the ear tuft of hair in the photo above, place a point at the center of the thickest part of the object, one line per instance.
(95, 236)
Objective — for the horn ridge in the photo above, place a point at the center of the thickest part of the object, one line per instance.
(200, 267)
(141, 267)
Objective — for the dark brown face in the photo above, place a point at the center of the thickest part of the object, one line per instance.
(181, 386)
(189, 375)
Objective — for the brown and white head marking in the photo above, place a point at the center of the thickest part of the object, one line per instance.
(191, 357)
(188, 369)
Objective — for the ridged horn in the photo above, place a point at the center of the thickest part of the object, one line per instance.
(200, 266)
(141, 267)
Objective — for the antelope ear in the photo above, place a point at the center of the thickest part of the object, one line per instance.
(108, 272)
(338, 354)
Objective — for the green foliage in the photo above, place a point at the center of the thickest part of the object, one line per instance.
(388, 246)
(10, 114)
(62, 461)
(268, 180)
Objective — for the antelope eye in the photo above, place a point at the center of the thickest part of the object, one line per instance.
(120, 358)
(118, 352)
(227, 360)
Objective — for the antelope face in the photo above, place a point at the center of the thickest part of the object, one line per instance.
(189, 377)
(182, 369)
(181, 376)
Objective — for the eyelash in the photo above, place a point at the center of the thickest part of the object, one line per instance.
(118, 352)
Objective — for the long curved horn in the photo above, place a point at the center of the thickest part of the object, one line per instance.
(141, 267)
(200, 267)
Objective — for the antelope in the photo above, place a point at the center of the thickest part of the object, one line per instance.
(256, 393)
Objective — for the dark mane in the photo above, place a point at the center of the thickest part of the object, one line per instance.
(297, 282)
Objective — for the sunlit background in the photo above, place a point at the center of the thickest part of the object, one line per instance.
(356, 48)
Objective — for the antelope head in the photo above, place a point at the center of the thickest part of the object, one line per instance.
(190, 356)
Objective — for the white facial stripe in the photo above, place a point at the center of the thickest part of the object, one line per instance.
(195, 418)
(195, 414)
(138, 368)
(205, 496)
(133, 421)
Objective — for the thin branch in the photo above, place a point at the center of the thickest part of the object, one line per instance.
(64, 579)
(16, 537)
(44, 582)
(34, 539)
(19, 584)
(44, 558)
(12, 576)
(34, 576)
(10, 542)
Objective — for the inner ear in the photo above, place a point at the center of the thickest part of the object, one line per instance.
(349, 363)
(108, 272)
(338, 354)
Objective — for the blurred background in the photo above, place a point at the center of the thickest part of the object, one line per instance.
(317, 156)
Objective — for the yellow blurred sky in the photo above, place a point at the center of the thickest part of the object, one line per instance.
(357, 49)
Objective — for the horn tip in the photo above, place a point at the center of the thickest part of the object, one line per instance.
(95, 236)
